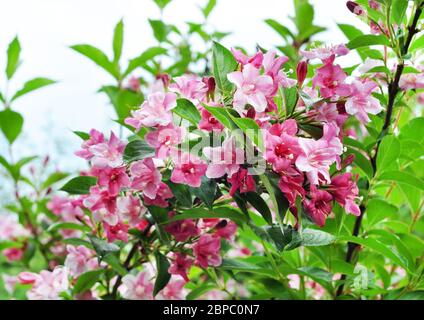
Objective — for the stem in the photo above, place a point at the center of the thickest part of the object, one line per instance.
(393, 89)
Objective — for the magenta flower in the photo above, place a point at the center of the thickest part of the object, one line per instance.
(345, 192)
(241, 181)
(180, 265)
(272, 67)
(255, 60)
(291, 184)
(102, 204)
(252, 88)
(189, 87)
(209, 122)
(188, 169)
(223, 160)
(107, 154)
(225, 229)
(330, 78)
(318, 155)
(131, 209)
(146, 177)
(182, 229)
(163, 194)
(96, 137)
(113, 179)
(164, 139)
(154, 112)
(319, 206)
(206, 251)
(118, 231)
(361, 102)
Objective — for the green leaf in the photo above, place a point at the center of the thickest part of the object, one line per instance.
(138, 150)
(123, 100)
(290, 99)
(118, 40)
(244, 266)
(362, 162)
(102, 247)
(87, 280)
(417, 44)
(77, 242)
(98, 57)
(82, 135)
(398, 11)
(141, 60)
(251, 129)
(160, 217)
(368, 40)
(163, 276)
(283, 31)
(378, 210)
(314, 238)
(162, 3)
(402, 177)
(79, 185)
(11, 123)
(304, 16)
(187, 110)
(181, 192)
(289, 237)
(219, 212)
(259, 204)
(206, 192)
(53, 178)
(194, 294)
(223, 63)
(160, 30)
(208, 8)
(388, 152)
(68, 226)
(32, 85)
(221, 115)
(13, 53)
(112, 260)
(350, 31)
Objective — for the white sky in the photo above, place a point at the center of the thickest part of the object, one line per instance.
(47, 27)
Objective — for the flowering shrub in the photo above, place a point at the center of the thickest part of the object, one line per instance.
(277, 175)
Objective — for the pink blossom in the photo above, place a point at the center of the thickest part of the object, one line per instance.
(9, 283)
(356, 8)
(374, 4)
(345, 192)
(328, 112)
(163, 194)
(103, 205)
(291, 184)
(272, 67)
(182, 229)
(146, 177)
(319, 206)
(409, 81)
(420, 98)
(255, 60)
(225, 229)
(118, 231)
(252, 88)
(188, 169)
(241, 181)
(330, 79)
(13, 254)
(130, 209)
(361, 101)
(301, 72)
(206, 250)
(318, 155)
(113, 179)
(67, 208)
(10, 228)
(225, 159)
(189, 87)
(79, 260)
(180, 265)
(209, 122)
(133, 83)
(155, 111)
(174, 290)
(47, 285)
(325, 53)
(107, 154)
(137, 287)
(164, 139)
(96, 137)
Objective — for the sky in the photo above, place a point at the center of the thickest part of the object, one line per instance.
(46, 29)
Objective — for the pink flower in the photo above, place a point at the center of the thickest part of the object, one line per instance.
(156, 111)
(255, 60)
(206, 251)
(164, 193)
(209, 122)
(420, 98)
(225, 229)
(118, 231)
(188, 169)
(361, 101)
(180, 265)
(13, 254)
(134, 83)
(330, 79)
(174, 290)
(252, 88)
(409, 81)
(113, 179)
(139, 287)
(318, 155)
(319, 206)
(325, 53)
(79, 260)
(66, 208)
(10, 228)
(9, 283)
(96, 137)
(241, 181)
(189, 87)
(328, 112)
(130, 209)
(272, 67)
(223, 160)
(291, 184)
(345, 192)
(107, 154)
(182, 229)
(146, 177)
(103, 205)
(47, 285)
(164, 139)
(356, 8)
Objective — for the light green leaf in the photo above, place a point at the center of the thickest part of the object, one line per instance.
(388, 152)
(208, 8)
(11, 123)
(138, 150)
(118, 40)
(187, 110)
(283, 31)
(141, 60)
(402, 177)
(68, 226)
(219, 212)
(13, 53)
(32, 85)
(368, 40)
(87, 280)
(79, 185)
(223, 63)
(163, 276)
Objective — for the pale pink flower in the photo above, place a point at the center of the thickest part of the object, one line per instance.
(174, 290)
(107, 154)
(164, 193)
(255, 60)
(131, 209)
(180, 265)
(164, 139)
(209, 122)
(9, 283)
(328, 112)
(409, 81)
(252, 88)
(206, 250)
(189, 86)
(10, 228)
(361, 102)
(96, 137)
(318, 155)
(146, 177)
(66, 208)
(272, 67)
(47, 285)
(102, 204)
(330, 78)
(225, 159)
(114, 179)
(420, 98)
(137, 287)
(79, 260)
(319, 206)
(345, 192)
(325, 53)
(155, 111)
(188, 169)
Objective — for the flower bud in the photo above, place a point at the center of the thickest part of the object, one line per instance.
(356, 8)
(301, 72)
